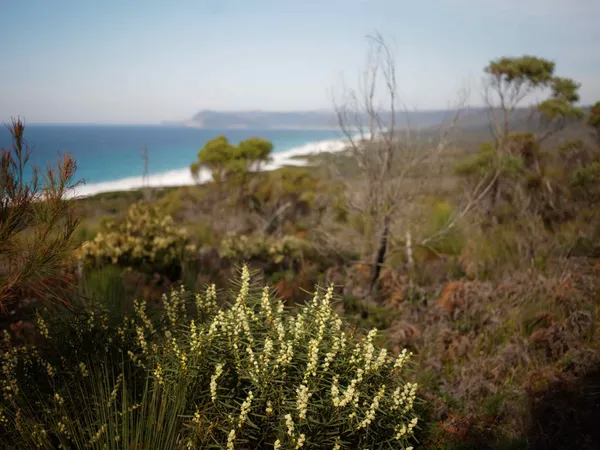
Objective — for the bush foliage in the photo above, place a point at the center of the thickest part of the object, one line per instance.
(263, 248)
(146, 238)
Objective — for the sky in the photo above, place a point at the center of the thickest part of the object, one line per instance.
(145, 61)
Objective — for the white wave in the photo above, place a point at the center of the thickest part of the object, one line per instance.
(183, 177)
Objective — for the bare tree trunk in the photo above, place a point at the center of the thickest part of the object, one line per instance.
(379, 256)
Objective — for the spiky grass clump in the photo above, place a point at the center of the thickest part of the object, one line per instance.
(251, 375)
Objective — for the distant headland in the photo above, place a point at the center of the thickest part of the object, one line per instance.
(307, 120)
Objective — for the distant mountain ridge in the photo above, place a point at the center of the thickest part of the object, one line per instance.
(298, 119)
(473, 119)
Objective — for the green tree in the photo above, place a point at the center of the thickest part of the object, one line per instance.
(510, 81)
(255, 152)
(513, 167)
(233, 163)
(559, 110)
(250, 156)
(216, 156)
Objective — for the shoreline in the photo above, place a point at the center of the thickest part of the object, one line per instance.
(296, 156)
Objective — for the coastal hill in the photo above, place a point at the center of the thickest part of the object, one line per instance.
(322, 119)
(472, 128)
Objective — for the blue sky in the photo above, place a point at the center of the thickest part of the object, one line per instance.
(127, 61)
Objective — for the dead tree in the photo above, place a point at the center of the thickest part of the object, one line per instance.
(388, 152)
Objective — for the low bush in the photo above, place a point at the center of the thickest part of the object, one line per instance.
(197, 375)
(270, 249)
(146, 240)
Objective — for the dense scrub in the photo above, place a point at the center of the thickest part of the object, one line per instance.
(486, 270)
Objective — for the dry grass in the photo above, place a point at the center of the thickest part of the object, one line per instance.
(489, 351)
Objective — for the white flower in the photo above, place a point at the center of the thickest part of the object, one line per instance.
(213, 382)
(290, 424)
(381, 360)
(369, 349)
(412, 424)
(335, 392)
(302, 400)
(351, 392)
(313, 359)
(245, 409)
(231, 440)
(59, 399)
(266, 353)
(372, 409)
(403, 357)
(301, 440)
(400, 431)
(195, 339)
(265, 304)
(255, 370)
(298, 327)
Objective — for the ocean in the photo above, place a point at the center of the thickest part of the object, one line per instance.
(109, 157)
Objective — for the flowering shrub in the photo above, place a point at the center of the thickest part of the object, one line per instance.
(263, 248)
(145, 237)
(251, 375)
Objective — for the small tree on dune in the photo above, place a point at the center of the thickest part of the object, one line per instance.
(232, 163)
(214, 156)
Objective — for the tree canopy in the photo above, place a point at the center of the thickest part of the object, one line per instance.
(513, 79)
(513, 172)
(529, 70)
(225, 160)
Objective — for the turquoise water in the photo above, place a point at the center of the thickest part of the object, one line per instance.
(113, 153)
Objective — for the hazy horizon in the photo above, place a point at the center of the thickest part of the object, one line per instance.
(112, 62)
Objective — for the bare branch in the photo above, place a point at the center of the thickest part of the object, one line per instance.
(387, 159)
